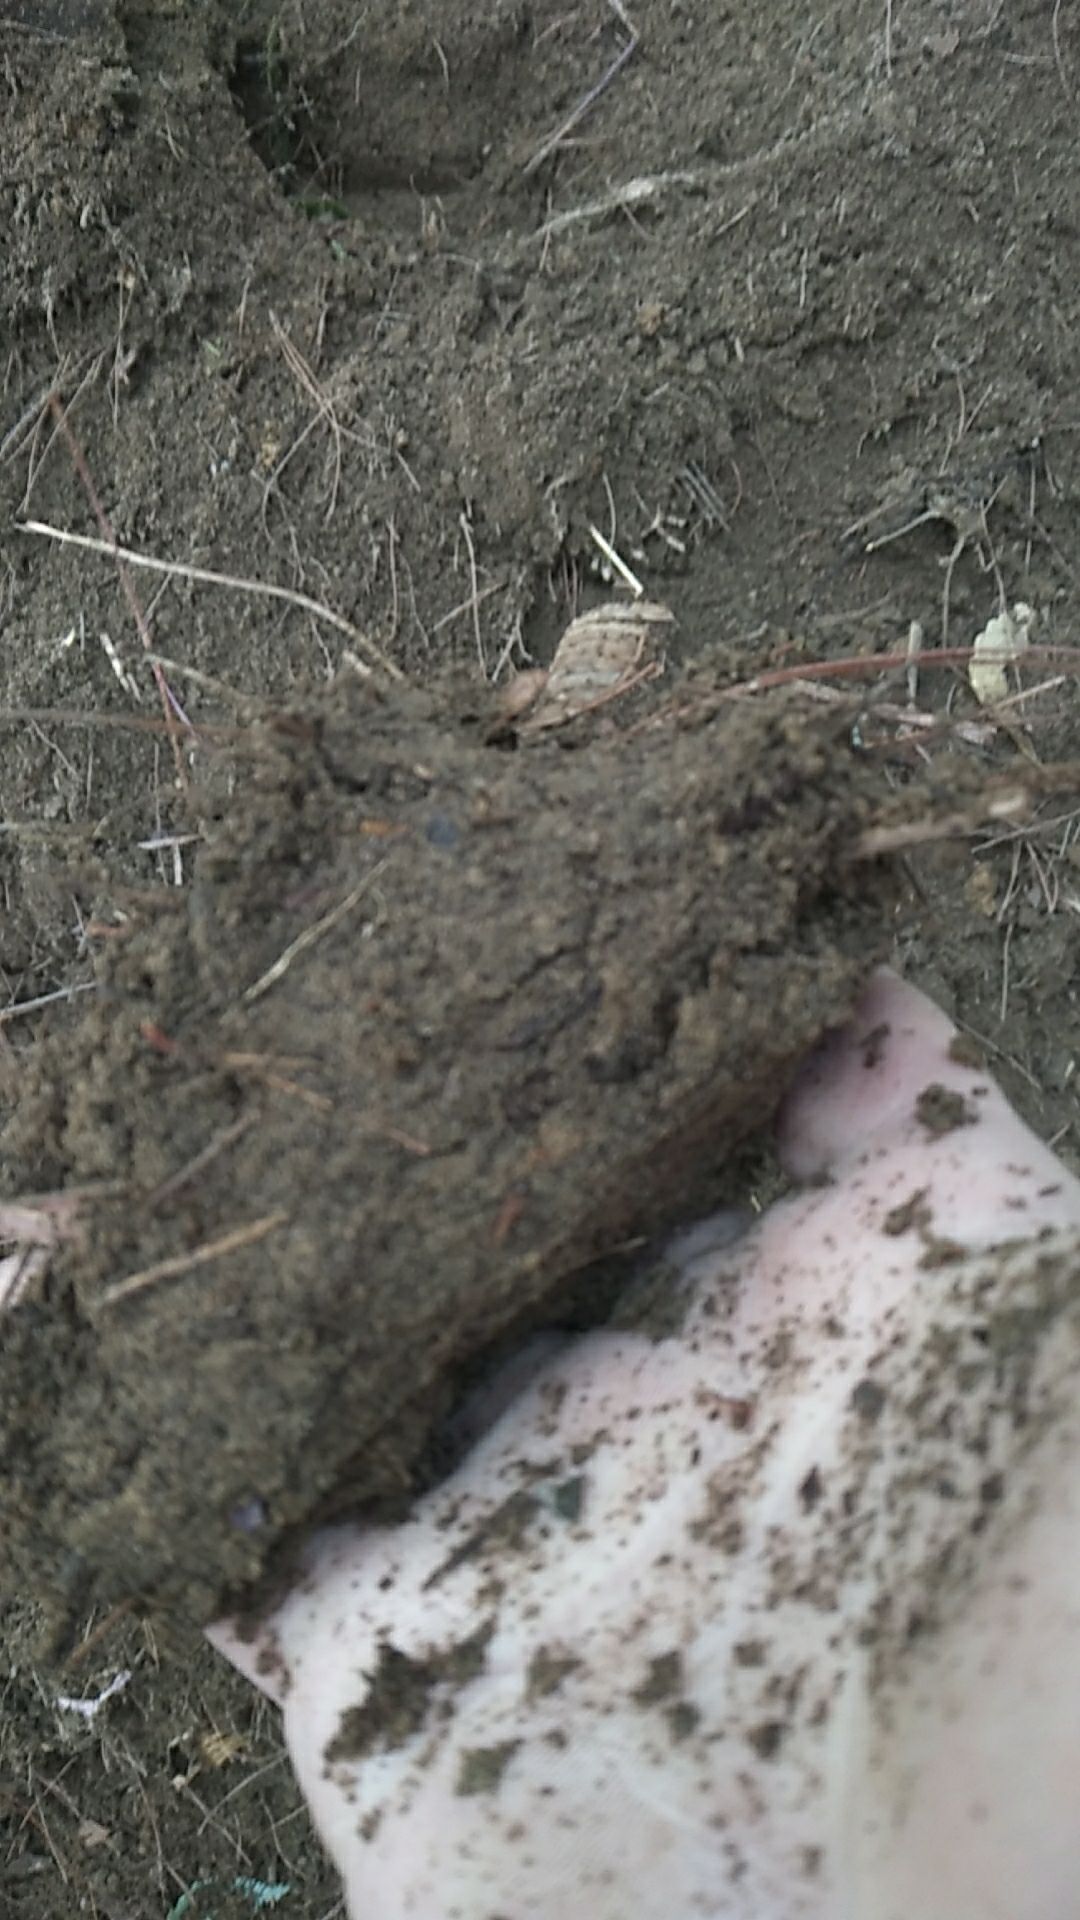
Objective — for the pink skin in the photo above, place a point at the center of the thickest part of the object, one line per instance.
(709, 1664)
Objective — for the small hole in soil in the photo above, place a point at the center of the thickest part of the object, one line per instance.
(398, 138)
(272, 110)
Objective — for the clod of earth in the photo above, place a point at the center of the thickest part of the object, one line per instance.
(439, 1038)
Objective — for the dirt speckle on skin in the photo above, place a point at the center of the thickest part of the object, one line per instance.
(504, 1532)
(966, 1052)
(548, 1668)
(202, 206)
(942, 1109)
(664, 1678)
(868, 1401)
(940, 1251)
(874, 1044)
(912, 1214)
(568, 1498)
(767, 1738)
(751, 1653)
(683, 1719)
(482, 1768)
(811, 1489)
(400, 1695)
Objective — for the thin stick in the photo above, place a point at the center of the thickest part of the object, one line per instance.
(1059, 61)
(104, 1626)
(126, 722)
(853, 665)
(181, 570)
(325, 411)
(589, 99)
(208, 681)
(466, 606)
(626, 574)
(474, 595)
(108, 533)
(912, 833)
(200, 1161)
(44, 1000)
(632, 193)
(256, 1065)
(1028, 693)
(310, 935)
(27, 418)
(68, 833)
(200, 1257)
(29, 421)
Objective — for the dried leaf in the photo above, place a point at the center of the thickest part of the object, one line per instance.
(519, 694)
(1002, 640)
(601, 654)
(220, 1749)
(93, 1834)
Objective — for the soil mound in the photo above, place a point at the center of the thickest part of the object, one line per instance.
(436, 1028)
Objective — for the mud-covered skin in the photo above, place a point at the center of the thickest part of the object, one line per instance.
(748, 1624)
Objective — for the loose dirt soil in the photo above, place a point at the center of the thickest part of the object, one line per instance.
(350, 300)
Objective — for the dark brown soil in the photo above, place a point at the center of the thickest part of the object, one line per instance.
(331, 313)
(434, 1029)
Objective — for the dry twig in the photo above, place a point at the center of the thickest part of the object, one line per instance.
(311, 934)
(199, 1162)
(325, 412)
(853, 666)
(626, 52)
(20, 1007)
(1011, 803)
(633, 193)
(180, 1263)
(205, 576)
(170, 708)
(474, 591)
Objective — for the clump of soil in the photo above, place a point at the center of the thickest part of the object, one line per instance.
(435, 1028)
